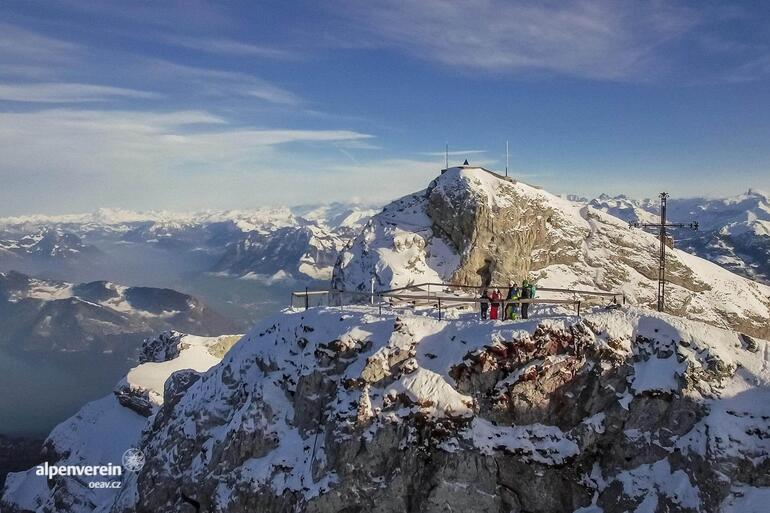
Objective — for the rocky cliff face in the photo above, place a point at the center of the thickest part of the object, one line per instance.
(471, 226)
(319, 411)
(500, 232)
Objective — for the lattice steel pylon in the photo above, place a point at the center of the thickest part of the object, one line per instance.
(663, 234)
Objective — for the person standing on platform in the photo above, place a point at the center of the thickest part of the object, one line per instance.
(495, 307)
(512, 308)
(484, 304)
(527, 292)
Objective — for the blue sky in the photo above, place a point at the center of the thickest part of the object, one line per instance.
(191, 105)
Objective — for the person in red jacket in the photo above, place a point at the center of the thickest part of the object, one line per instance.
(495, 297)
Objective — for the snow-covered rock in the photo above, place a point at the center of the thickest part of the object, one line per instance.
(471, 226)
(104, 429)
(326, 411)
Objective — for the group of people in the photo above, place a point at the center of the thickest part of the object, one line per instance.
(491, 304)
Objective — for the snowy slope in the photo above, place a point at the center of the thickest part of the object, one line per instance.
(472, 226)
(102, 430)
(322, 411)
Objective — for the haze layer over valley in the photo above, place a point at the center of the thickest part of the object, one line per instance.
(97, 284)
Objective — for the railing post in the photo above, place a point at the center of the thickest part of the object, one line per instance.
(371, 298)
(307, 300)
(439, 309)
(578, 308)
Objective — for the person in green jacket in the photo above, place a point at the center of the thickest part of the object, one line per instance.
(527, 292)
(512, 308)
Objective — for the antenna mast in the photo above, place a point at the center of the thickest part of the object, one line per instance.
(662, 233)
(506, 158)
(446, 156)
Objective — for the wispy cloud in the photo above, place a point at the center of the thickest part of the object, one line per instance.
(226, 46)
(130, 141)
(598, 39)
(29, 55)
(217, 82)
(62, 158)
(22, 45)
(68, 93)
(64, 71)
(754, 69)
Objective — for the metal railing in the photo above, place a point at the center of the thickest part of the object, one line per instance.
(442, 302)
(479, 288)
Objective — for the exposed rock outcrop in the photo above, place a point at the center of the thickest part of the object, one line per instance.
(500, 233)
(161, 348)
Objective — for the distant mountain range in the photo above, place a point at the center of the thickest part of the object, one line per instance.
(45, 315)
(302, 243)
(271, 243)
(67, 300)
(47, 243)
(734, 232)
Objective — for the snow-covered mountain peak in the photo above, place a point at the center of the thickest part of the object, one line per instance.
(758, 194)
(474, 227)
(336, 215)
(495, 190)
